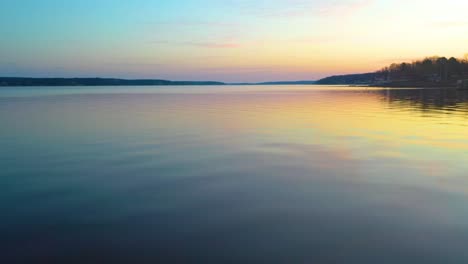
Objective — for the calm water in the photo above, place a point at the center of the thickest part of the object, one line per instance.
(265, 174)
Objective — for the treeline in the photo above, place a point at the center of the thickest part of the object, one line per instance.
(363, 78)
(432, 69)
(13, 81)
(429, 72)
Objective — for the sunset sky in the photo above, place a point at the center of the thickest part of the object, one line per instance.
(224, 40)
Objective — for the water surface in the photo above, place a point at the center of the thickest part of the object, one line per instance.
(233, 174)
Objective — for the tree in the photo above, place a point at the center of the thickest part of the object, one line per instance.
(429, 69)
(464, 65)
(454, 67)
(426, 66)
(442, 68)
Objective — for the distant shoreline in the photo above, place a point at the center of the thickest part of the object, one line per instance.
(430, 72)
(368, 80)
(346, 80)
(27, 81)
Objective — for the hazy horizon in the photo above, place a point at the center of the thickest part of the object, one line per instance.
(227, 41)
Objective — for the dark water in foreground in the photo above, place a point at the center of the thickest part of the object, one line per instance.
(233, 175)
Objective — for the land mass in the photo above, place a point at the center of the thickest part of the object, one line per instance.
(24, 81)
(429, 72)
(19, 81)
(278, 83)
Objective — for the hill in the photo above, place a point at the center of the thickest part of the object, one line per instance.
(429, 72)
(364, 78)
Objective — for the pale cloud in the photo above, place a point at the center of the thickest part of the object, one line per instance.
(213, 45)
(317, 39)
(194, 23)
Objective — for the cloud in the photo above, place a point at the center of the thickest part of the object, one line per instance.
(130, 63)
(195, 23)
(317, 39)
(211, 45)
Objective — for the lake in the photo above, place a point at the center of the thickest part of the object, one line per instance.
(233, 174)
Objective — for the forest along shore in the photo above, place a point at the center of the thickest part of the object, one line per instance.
(430, 72)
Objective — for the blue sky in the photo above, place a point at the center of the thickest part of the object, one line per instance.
(227, 40)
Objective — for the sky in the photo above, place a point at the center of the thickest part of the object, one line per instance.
(224, 40)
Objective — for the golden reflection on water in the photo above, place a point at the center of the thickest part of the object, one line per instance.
(426, 129)
(376, 115)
